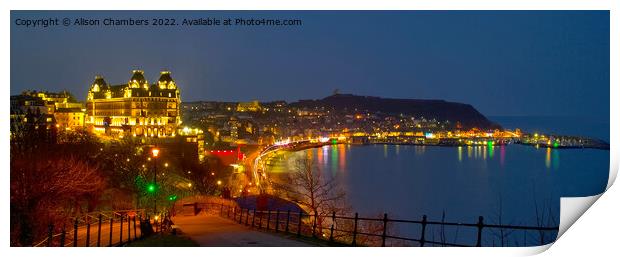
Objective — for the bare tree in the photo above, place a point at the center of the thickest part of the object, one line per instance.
(49, 180)
(306, 185)
(544, 218)
(502, 234)
(42, 184)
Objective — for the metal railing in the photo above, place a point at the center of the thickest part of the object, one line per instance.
(356, 231)
(111, 228)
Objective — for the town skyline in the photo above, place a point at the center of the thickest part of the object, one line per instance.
(305, 128)
(488, 58)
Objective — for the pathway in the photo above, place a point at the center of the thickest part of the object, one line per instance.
(212, 230)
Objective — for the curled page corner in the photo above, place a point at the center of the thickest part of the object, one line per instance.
(571, 208)
(531, 251)
(613, 165)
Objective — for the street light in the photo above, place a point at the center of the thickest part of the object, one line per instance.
(155, 152)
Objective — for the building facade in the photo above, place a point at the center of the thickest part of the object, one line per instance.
(69, 118)
(32, 119)
(68, 112)
(136, 108)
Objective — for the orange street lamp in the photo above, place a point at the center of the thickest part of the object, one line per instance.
(155, 152)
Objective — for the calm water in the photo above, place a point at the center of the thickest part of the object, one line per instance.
(462, 182)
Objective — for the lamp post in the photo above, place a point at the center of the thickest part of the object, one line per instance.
(155, 152)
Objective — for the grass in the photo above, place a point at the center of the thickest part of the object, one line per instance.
(166, 240)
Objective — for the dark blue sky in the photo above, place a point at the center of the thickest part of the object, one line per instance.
(501, 62)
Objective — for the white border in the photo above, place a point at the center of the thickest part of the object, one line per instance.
(594, 233)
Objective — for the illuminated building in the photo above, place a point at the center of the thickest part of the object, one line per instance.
(67, 112)
(59, 100)
(234, 128)
(31, 118)
(69, 118)
(193, 143)
(253, 106)
(21, 104)
(136, 108)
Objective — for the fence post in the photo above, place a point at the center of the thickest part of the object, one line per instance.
(50, 231)
(260, 220)
(134, 228)
(331, 230)
(247, 216)
(222, 209)
(354, 243)
(314, 224)
(480, 225)
(120, 237)
(268, 218)
(299, 224)
(161, 226)
(99, 232)
(385, 220)
(288, 218)
(111, 223)
(87, 231)
(227, 211)
(75, 227)
(62, 235)
(253, 216)
(422, 236)
(241, 216)
(277, 219)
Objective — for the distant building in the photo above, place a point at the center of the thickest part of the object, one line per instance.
(275, 106)
(32, 117)
(234, 125)
(21, 104)
(253, 106)
(69, 118)
(188, 144)
(60, 100)
(68, 112)
(136, 108)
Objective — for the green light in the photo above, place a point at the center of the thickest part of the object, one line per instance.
(555, 144)
(490, 143)
(172, 197)
(151, 188)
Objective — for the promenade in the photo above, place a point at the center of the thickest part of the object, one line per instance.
(212, 230)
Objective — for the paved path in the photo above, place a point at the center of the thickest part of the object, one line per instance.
(212, 230)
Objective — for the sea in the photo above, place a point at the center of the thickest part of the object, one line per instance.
(508, 184)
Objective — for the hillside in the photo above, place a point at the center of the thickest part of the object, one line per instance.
(441, 110)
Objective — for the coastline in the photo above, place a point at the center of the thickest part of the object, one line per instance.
(599, 146)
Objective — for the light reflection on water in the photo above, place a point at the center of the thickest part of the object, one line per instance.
(338, 157)
(408, 181)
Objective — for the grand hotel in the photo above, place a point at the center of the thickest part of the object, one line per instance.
(136, 108)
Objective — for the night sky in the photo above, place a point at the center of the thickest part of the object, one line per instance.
(501, 62)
